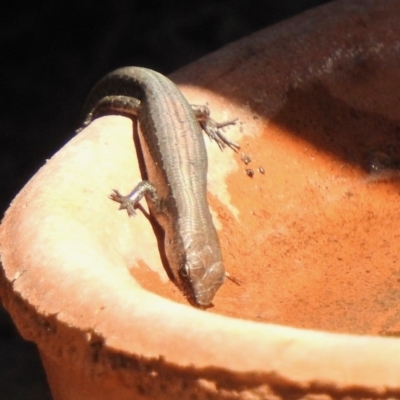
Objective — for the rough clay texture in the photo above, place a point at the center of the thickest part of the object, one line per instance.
(313, 240)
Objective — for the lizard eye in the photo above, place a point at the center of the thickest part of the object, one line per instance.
(184, 271)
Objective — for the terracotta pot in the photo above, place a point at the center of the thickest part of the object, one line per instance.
(314, 240)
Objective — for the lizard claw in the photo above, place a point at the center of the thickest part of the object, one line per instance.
(125, 202)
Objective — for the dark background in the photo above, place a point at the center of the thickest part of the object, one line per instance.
(51, 55)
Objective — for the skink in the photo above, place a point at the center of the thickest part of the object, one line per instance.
(175, 159)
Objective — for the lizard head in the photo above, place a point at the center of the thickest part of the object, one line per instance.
(195, 264)
(202, 275)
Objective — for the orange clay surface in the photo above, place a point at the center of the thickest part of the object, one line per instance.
(314, 241)
(314, 245)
